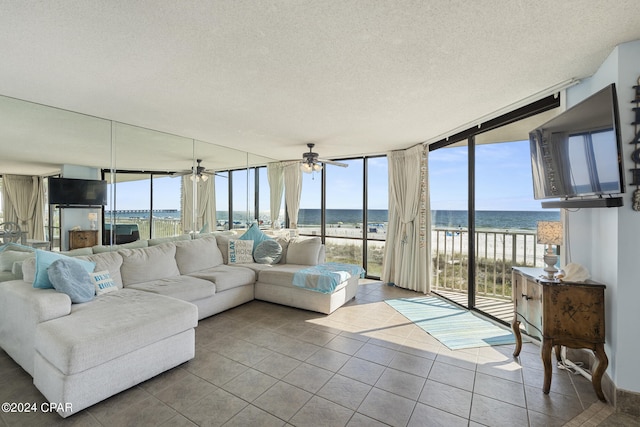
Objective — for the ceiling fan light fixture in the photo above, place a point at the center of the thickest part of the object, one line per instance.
(306, 167)
(317, 167)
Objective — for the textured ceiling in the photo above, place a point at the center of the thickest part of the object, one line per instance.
(355, 77)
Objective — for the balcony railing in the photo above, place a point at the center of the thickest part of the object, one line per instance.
(495, 253)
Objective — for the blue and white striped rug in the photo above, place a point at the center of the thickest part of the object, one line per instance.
(453, 326)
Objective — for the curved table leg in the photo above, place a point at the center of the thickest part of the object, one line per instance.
(596, 378)
(515, 325)
(545, 353)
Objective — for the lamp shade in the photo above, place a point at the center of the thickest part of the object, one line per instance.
(92, 216)
(549, 232)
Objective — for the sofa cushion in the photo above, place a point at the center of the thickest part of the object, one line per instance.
(102, 282)
(240, 251)
(98, 249)
(186, 288)
(160, 240)
(304, 251)
(268, 252)
(110, 326)
(110, 261)
(8, 257)
(256, 235)
(69, 277)
(44, 259)
(78, 252)
(280, 274)
(227, 276)
(147, 264)
(199, 254)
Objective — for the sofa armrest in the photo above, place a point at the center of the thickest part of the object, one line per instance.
(22, 308)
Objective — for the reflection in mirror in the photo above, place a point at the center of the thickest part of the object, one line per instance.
(145, 170)
(42, 141)
(146, 184)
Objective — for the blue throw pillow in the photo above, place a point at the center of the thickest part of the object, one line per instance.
(44, 259)
(268, 252)
(254, 233)
(69, 277)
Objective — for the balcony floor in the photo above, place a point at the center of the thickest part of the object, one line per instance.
(499, 308)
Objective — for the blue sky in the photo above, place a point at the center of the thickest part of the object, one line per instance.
(503, 182)
(503, 178)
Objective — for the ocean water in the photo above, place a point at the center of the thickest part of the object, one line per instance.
(500, 220)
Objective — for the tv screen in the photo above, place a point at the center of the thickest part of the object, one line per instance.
(577, 153)
(78, 192)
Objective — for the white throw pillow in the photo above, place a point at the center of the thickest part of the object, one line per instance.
(240, 251)
(103, 282)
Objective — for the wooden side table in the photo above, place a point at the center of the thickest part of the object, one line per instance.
(559, 313)
(82, 238)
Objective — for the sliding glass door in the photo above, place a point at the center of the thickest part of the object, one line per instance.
(484, 216)
(449, 192)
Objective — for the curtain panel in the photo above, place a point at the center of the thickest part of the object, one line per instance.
(275, 177)
(203, 207)
(292, 191)
(406, 258)
(23, 198)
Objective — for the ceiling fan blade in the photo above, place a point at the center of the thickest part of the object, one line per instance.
(331, 162)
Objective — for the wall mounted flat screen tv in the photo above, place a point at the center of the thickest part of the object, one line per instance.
(576, 155)
(77, 192)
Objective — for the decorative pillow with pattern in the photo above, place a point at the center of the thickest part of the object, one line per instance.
(103, 282)
(240, 251)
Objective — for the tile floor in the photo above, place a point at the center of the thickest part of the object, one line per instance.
(267, 365)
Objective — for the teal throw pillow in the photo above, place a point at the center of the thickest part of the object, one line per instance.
(69, 277)
(44, 259)
(268, 252)
(254, 233)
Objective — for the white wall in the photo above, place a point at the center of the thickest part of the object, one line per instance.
(77, 217)
(607, 240)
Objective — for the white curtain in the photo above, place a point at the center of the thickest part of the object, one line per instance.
(23, 198)
(275, 177)
(292, 191)
(205, 206)
(406, 258)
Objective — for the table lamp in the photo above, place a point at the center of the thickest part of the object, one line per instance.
(550, 233)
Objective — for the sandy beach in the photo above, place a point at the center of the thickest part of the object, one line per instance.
(517, 246)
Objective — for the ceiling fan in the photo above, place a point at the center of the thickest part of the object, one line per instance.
(312, 163)
(197, 173)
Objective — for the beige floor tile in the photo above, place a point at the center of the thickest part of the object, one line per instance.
(249, 385)
(401, 383)
(387, 407)
(447, 398)
(496, 413)
(328, 359)
(283, 400)
(362, 370)
(345, 391)
(319, 412)
(214, 409)
(308, 377)
(428, 416)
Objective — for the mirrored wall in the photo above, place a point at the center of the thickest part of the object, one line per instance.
(159, 184)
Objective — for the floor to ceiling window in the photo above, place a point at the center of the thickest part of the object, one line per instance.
(355, 215)
(483, 213)
(344, 220)
(377, 200)
(449, 192)
(310, 213)
(150, 202)
(222, 201)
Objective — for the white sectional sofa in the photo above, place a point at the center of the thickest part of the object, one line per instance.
(83, 353)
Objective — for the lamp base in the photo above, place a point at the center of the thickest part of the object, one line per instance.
(550, 269)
